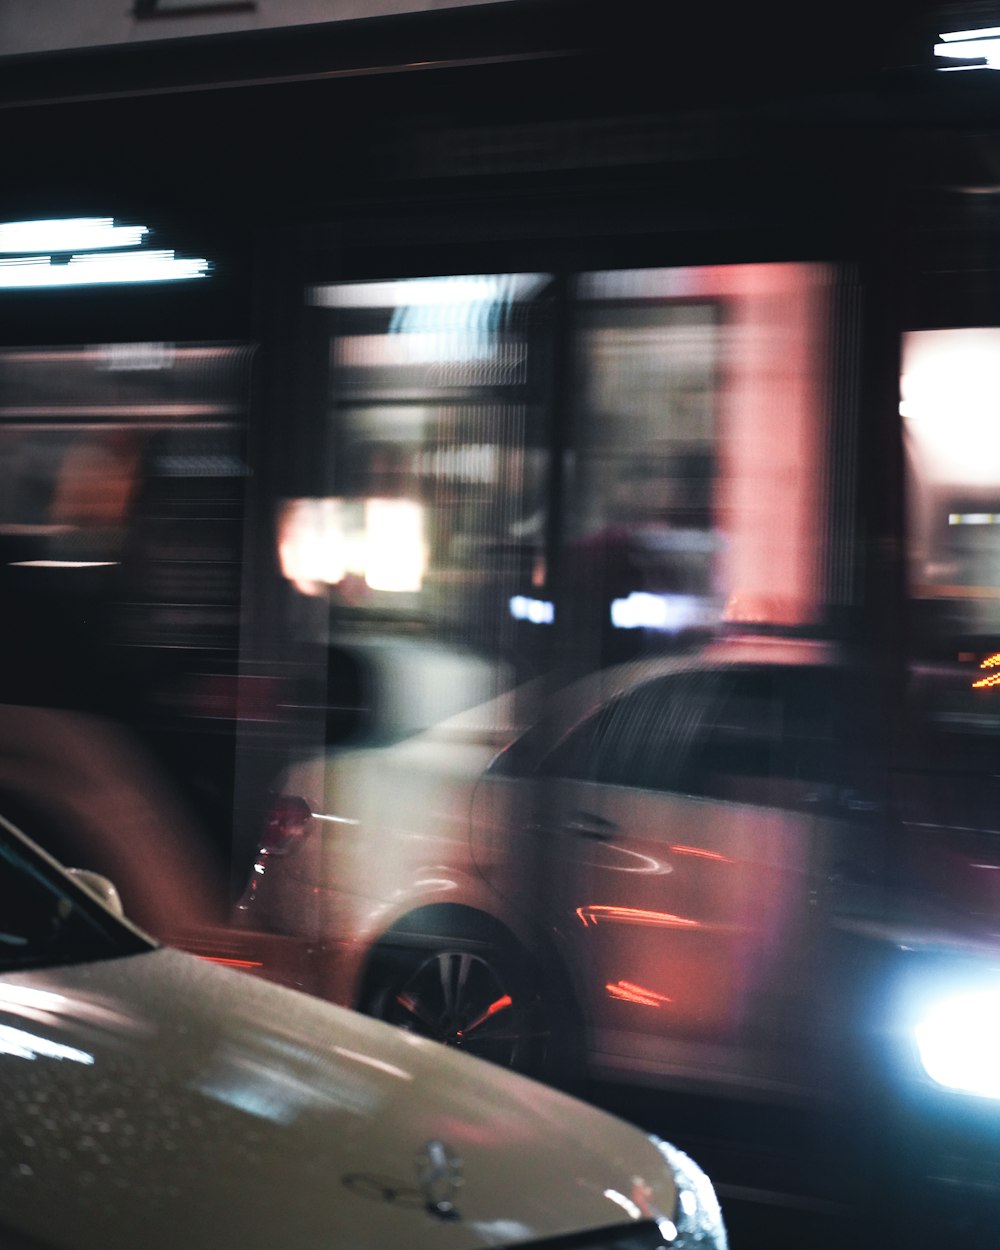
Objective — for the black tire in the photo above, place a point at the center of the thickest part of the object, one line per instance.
(479, 997)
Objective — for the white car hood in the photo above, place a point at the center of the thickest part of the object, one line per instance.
(157, 1101)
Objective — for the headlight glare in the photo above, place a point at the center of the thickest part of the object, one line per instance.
(958, 1040)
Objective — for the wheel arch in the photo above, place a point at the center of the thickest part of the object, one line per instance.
(458, 923)
(424, 926)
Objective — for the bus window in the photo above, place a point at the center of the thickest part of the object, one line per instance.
(703, 430)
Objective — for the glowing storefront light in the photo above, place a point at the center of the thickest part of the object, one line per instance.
(311, 546)
(395, 553)
(950, 402)
(68, 234)
(322, 541)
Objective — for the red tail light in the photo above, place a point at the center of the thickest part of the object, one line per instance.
(286, 821)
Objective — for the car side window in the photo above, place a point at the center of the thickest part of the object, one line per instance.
(771, 741)
(44, 923)
(760, 735)
(642, 738)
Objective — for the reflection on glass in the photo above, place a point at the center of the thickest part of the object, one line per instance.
(700, 484)
(433, 530)
(951, 430)
(951, 421)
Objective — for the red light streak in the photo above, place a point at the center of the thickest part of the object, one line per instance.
(700, 854)
(627, 992)
(594, 912)
(232, 963)
(501, 1004)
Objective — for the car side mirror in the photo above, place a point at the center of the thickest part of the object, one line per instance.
(101, 888)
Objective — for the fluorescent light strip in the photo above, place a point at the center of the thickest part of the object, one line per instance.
(101, 268)
(986, 32)
(70, 234)
(970, 50)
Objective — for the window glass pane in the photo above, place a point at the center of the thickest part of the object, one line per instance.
(642, 739)
(950, 418)
(434, 524)
(42, 923)
(700, 484)
(772, 739)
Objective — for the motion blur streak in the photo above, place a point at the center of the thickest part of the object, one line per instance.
(698, 853)
(98, 269)
(233, 963)
(68, 234)
(24, 1045)
(630, 993)
(635, 915)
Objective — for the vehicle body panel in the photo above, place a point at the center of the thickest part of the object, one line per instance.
(690, 897)
(172, 1103)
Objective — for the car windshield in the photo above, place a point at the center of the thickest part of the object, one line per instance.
(46, 919)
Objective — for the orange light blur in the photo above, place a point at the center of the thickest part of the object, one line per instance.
(594, 912)
(991, 661)
(983, 682)
(232, 963)
(700, 854)
(629, 993)
(501, 1004)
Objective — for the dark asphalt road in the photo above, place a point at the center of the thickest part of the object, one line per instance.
(785, 1177)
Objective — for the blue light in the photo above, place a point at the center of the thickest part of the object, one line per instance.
(537, 611)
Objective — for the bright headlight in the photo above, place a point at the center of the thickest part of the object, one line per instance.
(697, 1222)
(958, 1039)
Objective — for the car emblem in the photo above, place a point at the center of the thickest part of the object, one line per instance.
(439, 1174)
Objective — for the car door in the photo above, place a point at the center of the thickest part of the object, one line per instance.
(679, 823)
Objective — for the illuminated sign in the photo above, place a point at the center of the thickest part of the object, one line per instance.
(984, 683)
